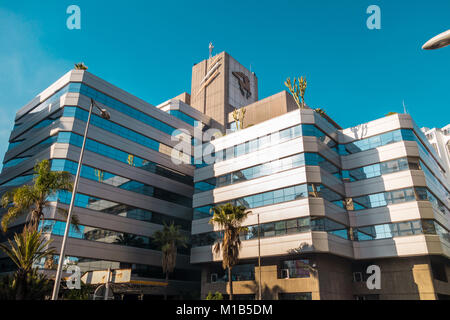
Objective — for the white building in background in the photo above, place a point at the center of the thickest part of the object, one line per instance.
(439, 138)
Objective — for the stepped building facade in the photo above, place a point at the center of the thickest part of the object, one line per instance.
(328, 205)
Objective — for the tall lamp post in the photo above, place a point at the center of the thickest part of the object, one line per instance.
(105, 115)
(437, 42)
(259, 259)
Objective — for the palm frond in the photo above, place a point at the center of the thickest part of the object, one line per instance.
(27, 248)
(169, 238)
(74, 220)
(32, 199)
(80, 66)
(229, 218)
(11, 215)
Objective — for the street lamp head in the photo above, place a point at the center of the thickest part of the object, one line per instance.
(439, 41)
(105, 114)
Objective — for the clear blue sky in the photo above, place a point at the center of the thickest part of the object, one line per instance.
(148, 48)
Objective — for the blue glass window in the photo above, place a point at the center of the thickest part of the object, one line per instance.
(122, 107)
(277, 196)
(278, 228)
(116, 154)
(121, 182)
(392, 197)
(275, 138)
(269, 168)
(102, 235)
(118, 209)
(376, 141)
(184, 117)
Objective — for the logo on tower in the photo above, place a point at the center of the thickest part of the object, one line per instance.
(244, 84)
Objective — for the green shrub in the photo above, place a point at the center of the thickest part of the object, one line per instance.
(216, 296)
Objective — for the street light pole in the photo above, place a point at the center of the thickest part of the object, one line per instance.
(107, 284)
(105, 115)
(259, 260)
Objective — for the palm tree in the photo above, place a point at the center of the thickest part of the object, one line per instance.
(27, 248)
(80, 66)
(297, 90)
(34, 197)
(229, 218)
(38, 286)
(239, 116)
(169, 238)
(128, 239)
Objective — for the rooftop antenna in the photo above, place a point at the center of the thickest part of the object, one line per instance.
(404, 107)
(211, 47)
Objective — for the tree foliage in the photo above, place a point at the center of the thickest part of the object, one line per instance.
(38, 286)
(239, 116)
(84, 293)
(229, 218)
(80, 66)
(169, 239)
(297, 89)
(216, 296)
(27, 248)
(31, 200)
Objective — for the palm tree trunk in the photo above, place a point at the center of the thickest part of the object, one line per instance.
(167, 280)
(21, 286)
(33, 225)
(230, 281)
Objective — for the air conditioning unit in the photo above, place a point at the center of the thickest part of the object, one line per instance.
(357, 277)
(284, 273)
(214, 277)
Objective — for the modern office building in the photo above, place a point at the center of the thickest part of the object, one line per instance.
(129, 184)
(330, 201)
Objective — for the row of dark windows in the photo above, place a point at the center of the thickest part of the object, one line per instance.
(262, 142)
(107, 151)
(265, 169)
(103, 235)
(272, 197)
(117, 181)
(119, 209)
(308, 224)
